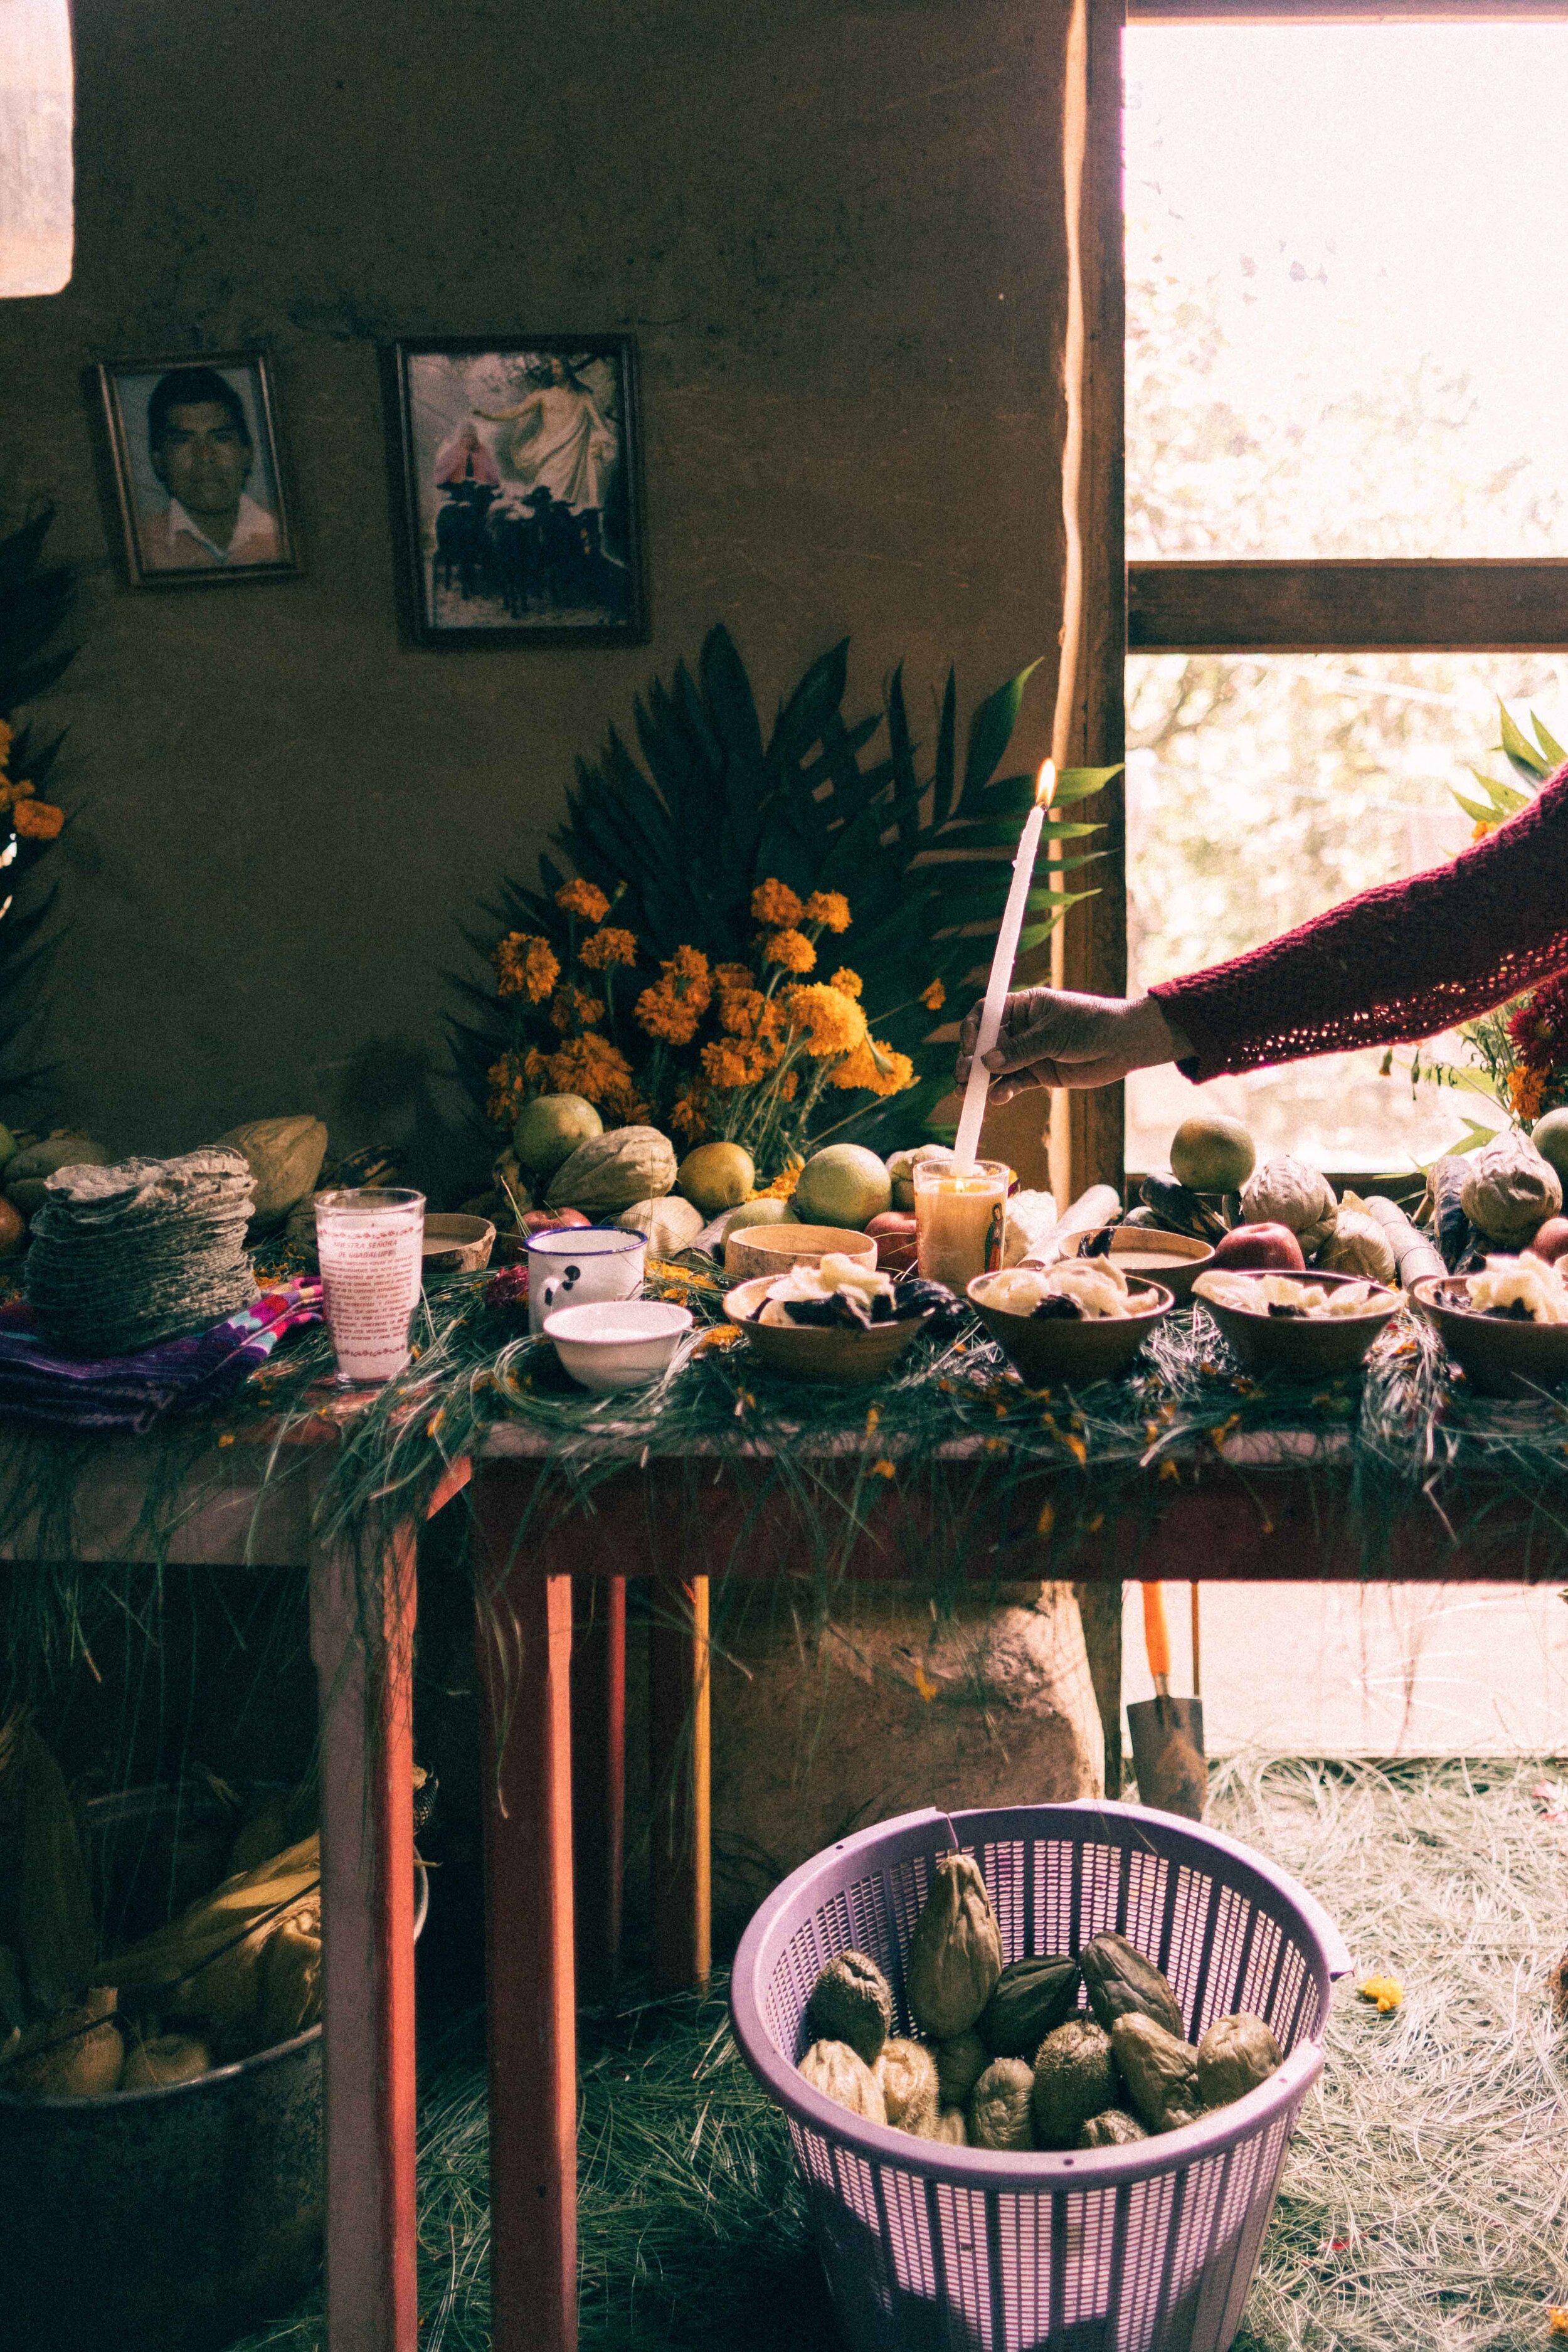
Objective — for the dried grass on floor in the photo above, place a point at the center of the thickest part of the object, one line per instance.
(1425, 2202)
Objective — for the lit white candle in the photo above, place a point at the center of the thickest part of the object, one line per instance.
(1002, 962)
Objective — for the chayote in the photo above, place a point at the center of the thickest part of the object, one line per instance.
(1075, 2077)
(1160, 2070)
(1234, 2055)
(1030, 1998)
(955, 1953)
(1120, 1981)
(851, 2001)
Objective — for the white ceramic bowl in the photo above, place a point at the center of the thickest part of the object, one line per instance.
(617, 1343)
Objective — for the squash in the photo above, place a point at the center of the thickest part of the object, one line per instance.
(851, 2001)
(285, 1157)
(1160, 2070)
(1120, 1981)
(1075, 2077)
(841, 2073)
(1030, 1999)
(27, 1171)
(906, 2073)
(955, 1953)
(613, 1171)
(999, 2105)
(1234, 2055)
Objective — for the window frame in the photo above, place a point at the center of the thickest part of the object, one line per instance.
(1205, 605)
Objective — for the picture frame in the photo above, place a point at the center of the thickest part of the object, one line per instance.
(519, 490)
(199, 480)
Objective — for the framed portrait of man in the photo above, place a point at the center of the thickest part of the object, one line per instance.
(521, 490)
(197, 471)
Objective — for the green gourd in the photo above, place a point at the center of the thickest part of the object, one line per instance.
(613, 1171)
(955, 1953)
(1119, 1980)
(1030, 1998)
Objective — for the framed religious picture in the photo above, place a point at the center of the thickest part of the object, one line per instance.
(521, 490)
(196, 470)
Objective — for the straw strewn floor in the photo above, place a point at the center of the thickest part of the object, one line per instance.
(1424, 2209)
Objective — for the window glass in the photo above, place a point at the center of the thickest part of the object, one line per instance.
(1345, 244)
(36, 98)
(1261, 790)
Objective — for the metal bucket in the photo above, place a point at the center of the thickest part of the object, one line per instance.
(164, 2220)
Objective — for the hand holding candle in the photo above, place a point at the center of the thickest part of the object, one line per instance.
(1002, 963)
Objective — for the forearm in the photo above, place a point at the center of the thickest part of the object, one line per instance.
(1398, 963)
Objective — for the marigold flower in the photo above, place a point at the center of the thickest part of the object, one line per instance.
(11, 793)
(1557, 2312)
(689, 1111)
(793, 950)
(782, 1186)
(775, 902)
(731, 976)
(725, 1064)
(747, 1012)
(828, 907)
(573, 1007)
(601, 950)
(509, 1089)
(673, 1007)
(525, 965)
(848, 983)
(789, 1086)
(875, 1067)
(934, 997)
(1526, 1091)
(590, 1066)
(833, 1021)
(580, 898)
(38, 820)
(7, 737)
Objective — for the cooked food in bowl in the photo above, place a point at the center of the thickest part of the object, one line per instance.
(1279, 1296)
(842, 1294)
(1525, 1289)
(1079, 1290)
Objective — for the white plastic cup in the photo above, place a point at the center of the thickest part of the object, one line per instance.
(572, 1265)
(371, 1246)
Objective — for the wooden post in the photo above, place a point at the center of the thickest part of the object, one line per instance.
(680, 1858)
(598, 1777)
(362, 1641)
(523, 1635)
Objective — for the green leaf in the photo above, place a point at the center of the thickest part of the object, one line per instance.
(990, 731)
(1520, 752)
(942, 779)
(1554, 749)
(1077, 783)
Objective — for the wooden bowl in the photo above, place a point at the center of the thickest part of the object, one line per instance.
(1173, 1260)
(845, 1358)
(1277, 1343)
(1501, 1358)
(1078, 1353)
(455, 1245)
(773, 1249)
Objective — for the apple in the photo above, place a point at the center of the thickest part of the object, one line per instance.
(550, 1221)
(1264, 1249)
(894, 1235)
(1552, 1242)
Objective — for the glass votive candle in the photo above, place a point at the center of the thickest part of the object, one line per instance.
(371, 1246)
(958, 1220)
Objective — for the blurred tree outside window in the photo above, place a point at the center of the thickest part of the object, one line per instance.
(1342, 341)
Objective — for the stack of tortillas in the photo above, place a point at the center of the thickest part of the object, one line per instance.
(144, 1251)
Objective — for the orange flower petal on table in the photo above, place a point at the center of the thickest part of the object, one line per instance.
(1386, 1991)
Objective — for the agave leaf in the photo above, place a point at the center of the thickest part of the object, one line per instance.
(1555, 752)
(1520, 754)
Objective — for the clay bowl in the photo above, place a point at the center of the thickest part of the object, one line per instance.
(1276, 1343)
(1045, 1351)
(1501, 1358)
(455, 1245)
(773, 1249)
(1173, 1260)
(847, 1359)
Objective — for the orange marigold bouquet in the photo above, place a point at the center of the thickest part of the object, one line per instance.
(752, 1052)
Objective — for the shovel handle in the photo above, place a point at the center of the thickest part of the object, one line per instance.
(1157, 1634)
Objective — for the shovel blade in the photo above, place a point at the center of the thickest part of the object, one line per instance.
(1168, 1754)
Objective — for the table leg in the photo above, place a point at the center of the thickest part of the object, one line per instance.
(598, 1777)
(681, 1856)
(363, 1644)
(524, 1644)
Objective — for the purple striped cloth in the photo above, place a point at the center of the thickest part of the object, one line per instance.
(131, 1392)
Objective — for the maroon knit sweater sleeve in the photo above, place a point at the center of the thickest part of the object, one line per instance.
(1400, 963)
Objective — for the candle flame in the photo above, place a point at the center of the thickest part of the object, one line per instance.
(1045, 784)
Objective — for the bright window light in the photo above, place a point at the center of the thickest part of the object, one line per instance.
(35, 198)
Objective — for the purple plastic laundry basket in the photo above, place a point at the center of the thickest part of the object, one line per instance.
(1149, 2248)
